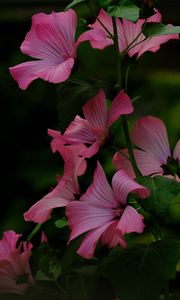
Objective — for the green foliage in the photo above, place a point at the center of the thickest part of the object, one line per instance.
(61, 223)
(163, 191)
(105, 3)
(72, 95)
(124, 9)
(156, 29)
(73, 3)
(140, 271)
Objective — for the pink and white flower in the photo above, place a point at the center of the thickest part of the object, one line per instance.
(103, 212)
(51, 41)
(153, 156)
(67, 186)
(130, 37)
(93, 130)
(15, 273)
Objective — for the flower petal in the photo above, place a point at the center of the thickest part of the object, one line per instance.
(95, 111)
(83, 217)
(112, 237)
(90, 151)
(131, 221)
(51, 36)
(145, 162)
(60, 196)
(88, 245)
(97, 38)
(99, 193)
(149, 134)
(26, 72)
(133, 30)
(97, 35)
(122, 185)
(176, 153)
(79, 131)
(51, 39)
(121, 105)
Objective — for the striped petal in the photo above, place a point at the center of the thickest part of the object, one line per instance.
(99, 192)
(122, 185)
(149, 134)
(121, 105)
(130, 221)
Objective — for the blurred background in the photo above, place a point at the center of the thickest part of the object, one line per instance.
(28, 166)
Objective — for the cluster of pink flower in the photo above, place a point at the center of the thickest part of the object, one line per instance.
(102, 211)
(15, 273)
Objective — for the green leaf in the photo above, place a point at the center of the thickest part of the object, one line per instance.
(90, 285)
(156, 29)
(61, 223)
(73, 3)
(163, 191)
(124, 9)
(72, 95)
(105, 3)
(140, 271)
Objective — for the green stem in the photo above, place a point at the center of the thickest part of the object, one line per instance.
(117, 55)
(35, 230)
(129, 145)
(119, 86)
(132, 45)
(92, 11)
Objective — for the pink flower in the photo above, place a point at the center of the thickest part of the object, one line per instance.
(51, 41)
(129, 35)
(15, 273)
(153, 155)
(93, 129)
(67, 185)
(103, 212)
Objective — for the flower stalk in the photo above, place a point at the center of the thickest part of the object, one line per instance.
(119, 86)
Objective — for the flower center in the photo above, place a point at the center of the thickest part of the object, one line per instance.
(119, 212)
(23, 278)
(172, 167)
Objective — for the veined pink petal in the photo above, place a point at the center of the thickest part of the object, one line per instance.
(97, 38)
(41, 210)
(99, 192)
(121, 105)
(131, 32)
(26, 72)
(8, 243)
(95, 111)
(112, 237)
(14, 263)
(176, 153)
(130, 221)
(97, 27)
(90, 151)
(88, 245)
(57, 140)
(51, 36)
(60, 196)
(83, 217)
(147, 164)
(122, 185)
(149, 134)
(151, 44)
(51, 40)
(129, 35)
(121, 162)
(79, 131)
